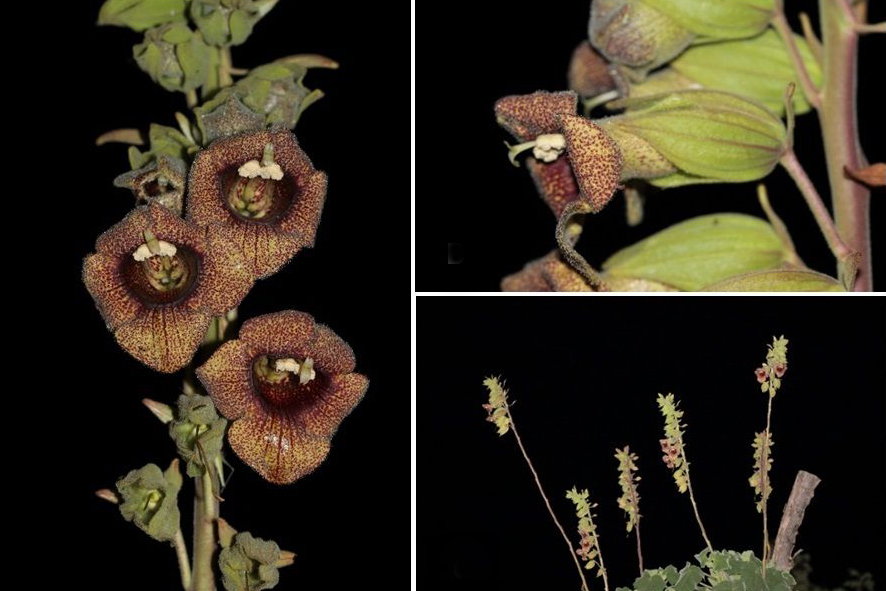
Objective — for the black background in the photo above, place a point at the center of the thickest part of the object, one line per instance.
(348, 521)
(583, 377)
(468, 194)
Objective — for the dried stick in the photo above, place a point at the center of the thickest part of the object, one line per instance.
(791, 518)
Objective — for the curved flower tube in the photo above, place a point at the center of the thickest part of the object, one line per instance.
(285, 384)
(263, 191)
(158, 281)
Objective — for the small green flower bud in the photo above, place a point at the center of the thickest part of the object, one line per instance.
(159, 410)
(758, 68)
(198, 432)
(698, 252)
(139, 15)
(228, 22)
(174, 56)
(166, 141)
(708, 136)
(636, 35)
(711, 20)
(149, 500)
(249, 564)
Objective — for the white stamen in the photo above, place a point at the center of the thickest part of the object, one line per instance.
(143, 252)
(549, 146)
(290, 365)
(307, 373)
(254, 168)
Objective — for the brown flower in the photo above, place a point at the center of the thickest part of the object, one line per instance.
(263, 190)
(158, 281)
(595, 159)
(589, 72)
(549, 273)
(286, 384)
(162, 181)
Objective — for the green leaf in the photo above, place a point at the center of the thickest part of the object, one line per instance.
(139, 15)
(700, 251)
(778, 280)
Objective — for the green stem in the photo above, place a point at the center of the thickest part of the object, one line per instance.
(839, 125)
(205, 514)
(181, 553)
(224, 67)
(787, 35)
(191, 97)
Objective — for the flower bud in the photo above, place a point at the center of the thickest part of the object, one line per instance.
(778, 280)
(139, 15)
(149, 500)
(228, 22)
(708, 136)
(698, 252)
(174, 56)
(249, 564)
(711, 20)
(758, 68)
(589, 72)
(636, 35)
(198, 432)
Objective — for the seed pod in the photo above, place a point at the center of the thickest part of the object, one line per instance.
(700, 251)
(758, 68)
(708, 136)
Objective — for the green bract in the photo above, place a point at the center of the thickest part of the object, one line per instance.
(198, 431)
(149, 500)
(228, 22)
(139, 15)
(718, 19)
(248, 564)
(700, 251)
(174, 56)
(709, 136)
(778, 280)
(165, 141)
(757, 68)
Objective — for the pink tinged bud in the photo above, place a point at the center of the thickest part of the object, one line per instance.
(595, 158)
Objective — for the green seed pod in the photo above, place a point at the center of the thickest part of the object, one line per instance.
(139, 15)
(149, 500)
(718, 19)
(249, 564)
(636, 35)
(700, 251)
(708, 136)
(758, 68)
(198, 432)
(174, 56)
(228, 22)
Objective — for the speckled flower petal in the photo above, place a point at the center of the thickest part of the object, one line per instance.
(595, 158)
(164, 338)
(334, 403)
(282, 333)
(303, 218)
(227, 377)
(225, 276)
(124, 237)
(555, 182)
(115, 302)
(549, 273)
(529, 115)
(272, 446)
(330, 352)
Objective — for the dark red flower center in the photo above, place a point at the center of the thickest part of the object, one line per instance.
(257, 199)
(162, 279)
(285, 388)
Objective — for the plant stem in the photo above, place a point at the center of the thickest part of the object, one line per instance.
(191, 97)
(816, 205)
(839, 127)
(184, 565)
(787, 36)
(695, 507)
(764, 458)
(224, 67)
(205, 514)
(584, 583)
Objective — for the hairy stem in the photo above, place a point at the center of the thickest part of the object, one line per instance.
(224, 67)
(205, 514)
(780, 23)
(184, 565)
(764, 456)
(584, 583)
(830, 231)
(839, 125)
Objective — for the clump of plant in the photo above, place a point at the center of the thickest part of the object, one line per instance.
(222, 200)
(722, 569)
(675, 93)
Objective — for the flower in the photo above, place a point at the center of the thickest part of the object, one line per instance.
(162, 181)
(149, 499)
(548, 273)
(270, 218)
(286, 383)
(158, 281)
